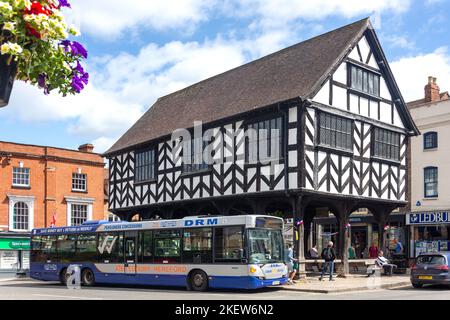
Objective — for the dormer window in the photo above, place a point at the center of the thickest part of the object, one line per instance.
(364, 80)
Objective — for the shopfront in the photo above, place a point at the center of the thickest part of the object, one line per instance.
(429, 232)
(364, 231)
(14, 253)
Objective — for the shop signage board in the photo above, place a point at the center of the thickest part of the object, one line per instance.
(14, 244)
(436, 217)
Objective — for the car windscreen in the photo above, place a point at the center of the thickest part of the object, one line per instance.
(431, 259)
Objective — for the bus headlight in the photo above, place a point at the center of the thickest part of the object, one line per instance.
(253, 270)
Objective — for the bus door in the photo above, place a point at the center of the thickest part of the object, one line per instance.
(130, 252)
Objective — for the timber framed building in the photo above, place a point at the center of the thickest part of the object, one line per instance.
(344, 132)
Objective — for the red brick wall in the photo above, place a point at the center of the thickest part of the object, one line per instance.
(50, 180)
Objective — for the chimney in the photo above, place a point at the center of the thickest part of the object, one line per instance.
(432, 91)
(88, 148)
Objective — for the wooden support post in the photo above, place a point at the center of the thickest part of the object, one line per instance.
(300, 230)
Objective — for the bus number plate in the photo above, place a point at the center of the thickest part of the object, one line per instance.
(274, 283)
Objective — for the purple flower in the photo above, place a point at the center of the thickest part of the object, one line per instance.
(64, 3)
(75, 48)
(80, 78)
(42, 83)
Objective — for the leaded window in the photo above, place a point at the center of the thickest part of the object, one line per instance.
(265, 140)
(79, 214)
(21, 177)
(21, 216)
(364, 80)
(145, 165)
(431, 182)
(193, 150)
(335, 132)
(386, 144)
(79, 182)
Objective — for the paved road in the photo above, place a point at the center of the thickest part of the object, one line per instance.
(29, 289)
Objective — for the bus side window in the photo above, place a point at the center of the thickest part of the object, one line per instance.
(197, 245)
(86, 247)
(167, 244)
(36, 252)
(66, 248)
(145, 249)
(110, 247)
(48, 248)
(229, 244)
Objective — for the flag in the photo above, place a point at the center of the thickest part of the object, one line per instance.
(53, 222)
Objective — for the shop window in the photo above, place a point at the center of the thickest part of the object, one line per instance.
(431, 182)
(335, 132)
(430, 140)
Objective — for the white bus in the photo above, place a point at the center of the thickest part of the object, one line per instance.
(241, 252)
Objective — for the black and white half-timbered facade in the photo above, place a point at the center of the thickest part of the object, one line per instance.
(330, 106)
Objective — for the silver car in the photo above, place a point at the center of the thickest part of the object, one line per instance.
(431, 268)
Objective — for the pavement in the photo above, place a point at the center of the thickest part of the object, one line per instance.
(350, 283)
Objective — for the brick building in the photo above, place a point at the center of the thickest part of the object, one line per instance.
(41, 186)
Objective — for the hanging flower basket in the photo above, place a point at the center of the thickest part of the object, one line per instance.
(8, 71)
(34, 47)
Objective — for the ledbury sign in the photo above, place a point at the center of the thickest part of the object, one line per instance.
(433, 217)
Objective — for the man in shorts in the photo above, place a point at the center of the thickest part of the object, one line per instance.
(290, 261)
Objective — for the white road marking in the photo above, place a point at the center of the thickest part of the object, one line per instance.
(66, 297)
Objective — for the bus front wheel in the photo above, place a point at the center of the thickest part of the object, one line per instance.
(198, 280)
(87, 277)
(63, 277)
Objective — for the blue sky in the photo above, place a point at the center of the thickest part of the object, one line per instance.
(140, 50)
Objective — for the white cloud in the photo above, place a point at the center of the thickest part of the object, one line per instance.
(110, 18)
(399, 41)
(279, 12)
(412, 73)
(124, 87)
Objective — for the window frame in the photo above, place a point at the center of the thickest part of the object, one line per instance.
(365, 75)
(282, 137)
(203, 167)
(383, 157)
(425, 183)
(319, 143)
(28, 178)
(76, 181)
(70, 210)
(26, 212)
(434, 140)
(152, 166)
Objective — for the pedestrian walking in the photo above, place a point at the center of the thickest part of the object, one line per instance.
(328, 255)
(290, 263)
